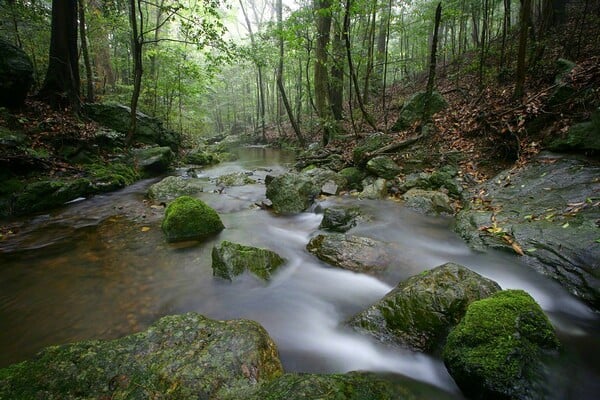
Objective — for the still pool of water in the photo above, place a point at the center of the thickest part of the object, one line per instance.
(100, 268)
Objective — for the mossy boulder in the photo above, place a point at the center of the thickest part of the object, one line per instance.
(172, 187)
(354, 177)
(354, 253)
(498, 350)
(383, 167)
(179, 357)
(340, 219)
(232, 259)
(362, 152)
(291, 192)
(430, 202)
(153, 160)
(419, 312)
(350, 386)
(188, 218)
(201, 157)
(583, 137)
(16, 75)
(374, 188)
(148, 130)
(413, 108)
(443, 178)
(111, 176)
(235, 179)
(48, 194)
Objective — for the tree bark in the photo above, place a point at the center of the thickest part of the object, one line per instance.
(137, 32)
(336, 92)
(432, 65)
(321, 76)
(61, 85)
(89, 75)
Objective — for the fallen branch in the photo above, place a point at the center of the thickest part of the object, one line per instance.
(395, 146)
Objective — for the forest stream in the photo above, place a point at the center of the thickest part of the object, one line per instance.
(101, 268)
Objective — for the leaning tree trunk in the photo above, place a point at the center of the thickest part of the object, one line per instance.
(61, 85)
(432, 65)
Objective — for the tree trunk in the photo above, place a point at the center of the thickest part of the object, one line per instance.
(284, 98)
(137, 32)
(521, 56)
(336, 93)
(61, 86)
(89, 75)
(432, 65)
(321, 79)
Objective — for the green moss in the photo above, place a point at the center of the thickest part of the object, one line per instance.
(188, 218)
(111, 176)
(44, 195)
(232, 259)
(354, 176)
(498, 347)
(360, 154)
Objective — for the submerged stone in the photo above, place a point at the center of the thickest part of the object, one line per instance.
(188, 218)
(232, 259)
(338, 219)
(497, 351)
(420, 311)
(354, 253)
(179, 357)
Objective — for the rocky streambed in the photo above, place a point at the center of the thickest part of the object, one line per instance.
(391, 303)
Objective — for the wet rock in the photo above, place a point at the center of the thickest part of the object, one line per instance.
(153, 160)
(16, 75)
(498, 350)
(412, 110)
(111, 176)
(180, 357)
(174, 186)
(187, 218)
(292, 192)
(354, 177)
(583, 137)
(323, 176)
(383, 167)
(235, 179)
(340, 219)
(354, 253)
(200, 157)
(443, 178)
(109, 138)
(374, 189)
(48, 194)
(362, 152)
(330, 188)
(148, 130)
(548, 209)
(429, 202)
(350, 386)
(420, 311)
(232, 259)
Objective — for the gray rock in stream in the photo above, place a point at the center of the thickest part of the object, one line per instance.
(179, 357)
(354, 253)
(172, 187)
(551, 209)
(420, 311)
(232, 259)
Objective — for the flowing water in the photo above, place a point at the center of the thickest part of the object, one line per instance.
(100, 268)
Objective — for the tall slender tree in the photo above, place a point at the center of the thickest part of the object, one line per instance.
(321, 80)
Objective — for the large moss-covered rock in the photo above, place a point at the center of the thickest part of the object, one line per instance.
(16, 75)
(583, 137)
(179, 357)
(354, 177)
(235, 179)
(350, 386)
(362, 152)
(292, 192)
(111, 176)
(430, 202)
(48, 194)
(188, 218)
(383, 167)
(420, 311)
(497, 351)
(201, 157)
(148, 130)
(172, 187)
(442, 178)
(548, 209)
(232, 259)
(354, 253)
(340, 219)
(413, 108)
(153, 160)
(373, 188)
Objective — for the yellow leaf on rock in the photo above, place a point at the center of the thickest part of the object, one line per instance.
(145, 228)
